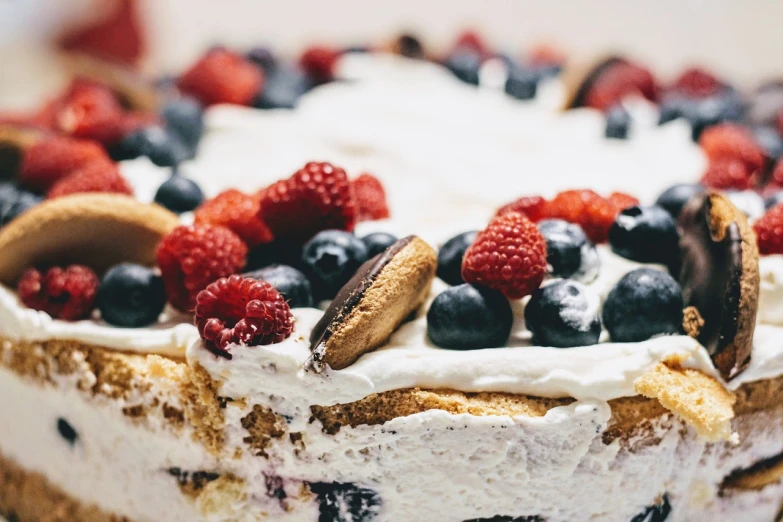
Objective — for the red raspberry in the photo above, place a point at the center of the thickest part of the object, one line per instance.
(50, 159)
(697, 83)
(776, 178)
(534, 207)
(622, 200)
(98, 176)
(192, 257)
(370, 198)
(592, 212)
(317, 197)
(618, 81)
(238, 212)
(509, 255)
(222, 76)
(244, 311)
(543, 55)
(733, 141)
(473, 41)
(318, 62)
(91, 111)
(769, 231)
(727, 174)
(67, 294)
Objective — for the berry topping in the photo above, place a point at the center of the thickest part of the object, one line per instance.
(472, 41)
(729, 141)
(618, 122)
(522, 82)
(48, 160)
(618, 81)
(284, 86)
(191, 257)
(243, 311)
(770, 140)
(98, 176)
(131, 296)
(646, 235)
(14, 201)
(563, 314)
(289, 281)
(238, 212)
(263, 57)
(318, 62)
(467, 317)
(67, 294)
(317, 197)
(675, 197)
(276, 252)
(185, 117)
(330, 259)
(509, 255)
(697, 83)
(464, 63)
(702, 113)
(377, 242)
(163, 147)
(644, 303)
(534, 207)
(179, 194)
(592, 212)
(370, 198)
(222, 76)
(91, 111)
(450, 257)
(568, 251)
(622, 200)
(769, 231)
(774, 199)
(727, 174)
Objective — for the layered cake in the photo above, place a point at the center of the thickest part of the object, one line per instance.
(370, 285)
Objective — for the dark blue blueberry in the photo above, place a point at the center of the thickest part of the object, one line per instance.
(644, 303)
(282, 89)
(162, 146)
(179, 194)
(675, 197)
(330, 259)
(770, 140)
(131, 296)
(450, 257)
(748, 201)
(522, 82)
(674, 107)
(377, 242)
(467, 317)
(409, 46)
(263, 57)
(645, 234)
(465, 64)
(289, 281)
(774, 199)
(66, 431)
(655, 513)
(14, 201)
(185, 117)
(345, 502)
(618, 122)
(563, 314)
(277, 252)
(726, 106)
(569, 253)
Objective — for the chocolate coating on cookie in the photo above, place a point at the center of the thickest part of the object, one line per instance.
(720, 278)
(586, 78)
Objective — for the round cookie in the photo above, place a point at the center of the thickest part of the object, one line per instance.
(384, 292)
(97, 230)
(14, 140)
(720, 279)
(578, 77)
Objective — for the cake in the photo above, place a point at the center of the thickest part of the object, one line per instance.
(248, 325)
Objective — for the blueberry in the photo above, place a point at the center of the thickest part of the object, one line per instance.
(618, 121)
(66, 431)
(277, 252)
(162, 146)
(522, 82)
(748, 201)
(377, 242)
(263, 57)
(131, 296)
(656, 513)
(465, 64)
(568, 251)
(563, 314)
(179, 194)
(14, 201)
(644, 303)
(330, 259)
(770, 140)
(774, 199)
(675, 107)
(722, 107)
(185, 117)
(645, 234)
(468, 317)
(345, 502)
(450, 257)
(289, 281)
(282, 89)
(674, 198)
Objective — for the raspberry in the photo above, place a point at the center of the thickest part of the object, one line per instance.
(622, 200)
(90, 110)
(67, 294)
(98, 176)
(592, 212)
(545, 55)
(222, 76)
(769, 231)
(318, 62)
(618, 81)
(50, 159)
(727, 174)
(317, 197)
(509, 255)
(192, 257)
(776, 178)
(238, 212)
(370, 198)
(697, 83)
(244, 311)
(534, 207)
(473, 41)
(733, 141)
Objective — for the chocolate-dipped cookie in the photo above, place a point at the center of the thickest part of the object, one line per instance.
(14, 140)
(384, 292)
(578, 78)
(720, 279)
